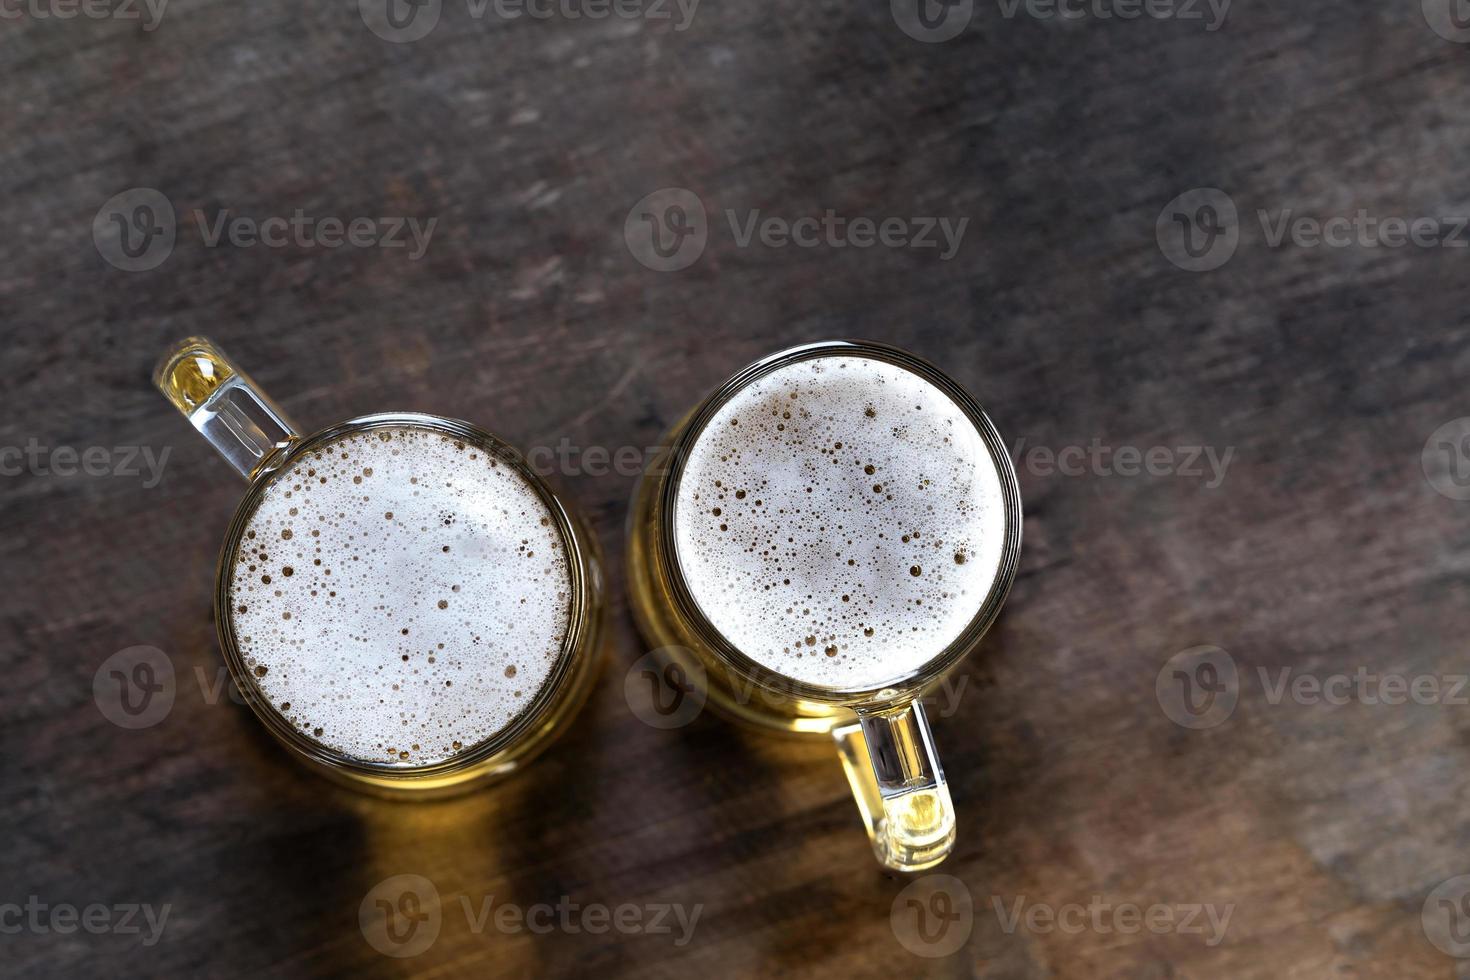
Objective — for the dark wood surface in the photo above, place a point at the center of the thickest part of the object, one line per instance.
(1324, 549)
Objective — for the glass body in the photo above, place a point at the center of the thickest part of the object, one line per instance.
(882, 734)
(252, 433)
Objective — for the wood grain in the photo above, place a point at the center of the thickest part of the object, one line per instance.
(1323, 549)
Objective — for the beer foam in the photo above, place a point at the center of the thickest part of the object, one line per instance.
(399, 595)
(840, 520)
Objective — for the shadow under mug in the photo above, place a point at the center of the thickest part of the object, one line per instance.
(261, 444)
(882, 734)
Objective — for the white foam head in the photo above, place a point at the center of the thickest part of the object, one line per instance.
(400, 596)
(840, 520)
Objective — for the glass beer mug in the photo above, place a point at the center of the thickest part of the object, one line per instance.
(400, 599)
(822, 539)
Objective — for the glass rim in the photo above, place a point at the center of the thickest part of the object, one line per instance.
(898, 686)
(579, 606)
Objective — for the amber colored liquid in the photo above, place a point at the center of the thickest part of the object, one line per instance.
(187, 377)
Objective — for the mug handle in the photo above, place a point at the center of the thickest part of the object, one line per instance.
(224, 404)
(893, 768)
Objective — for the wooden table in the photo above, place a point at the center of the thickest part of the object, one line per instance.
(1316, 545)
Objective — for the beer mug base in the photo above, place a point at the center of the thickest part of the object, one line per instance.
(805, 718)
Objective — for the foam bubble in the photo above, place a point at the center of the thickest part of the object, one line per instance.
(840, 520)
(400, 596)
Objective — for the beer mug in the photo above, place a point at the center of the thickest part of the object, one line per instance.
(821, 540)
(400, 599)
